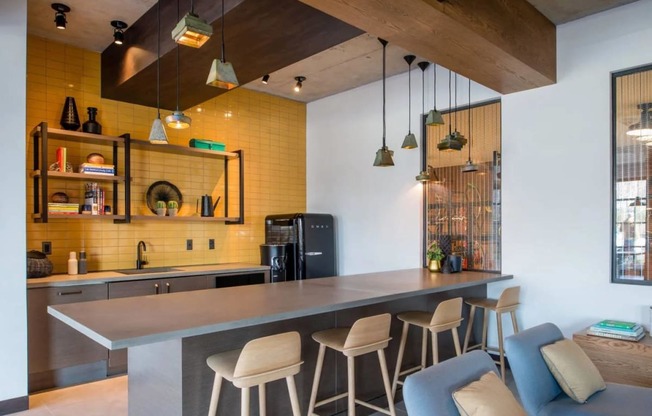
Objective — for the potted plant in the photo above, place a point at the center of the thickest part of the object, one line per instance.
(435, 254)
(173, 208)
(160, 208)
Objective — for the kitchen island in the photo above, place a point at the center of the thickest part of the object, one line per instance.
(170, 336)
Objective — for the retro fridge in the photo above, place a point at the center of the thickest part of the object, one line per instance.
(309, 240)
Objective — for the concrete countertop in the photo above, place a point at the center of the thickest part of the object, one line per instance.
(128, 322)
(62, 280)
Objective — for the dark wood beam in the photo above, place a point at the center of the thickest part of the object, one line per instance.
(506, 45)
(261, 36)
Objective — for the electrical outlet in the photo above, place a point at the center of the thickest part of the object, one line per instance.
(189, 244)
(211, 244)
(46, 247)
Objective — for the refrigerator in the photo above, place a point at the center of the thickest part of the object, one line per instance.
(309, 241)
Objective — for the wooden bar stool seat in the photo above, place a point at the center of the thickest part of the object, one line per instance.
(507, 303)
(365, 336)
(260, 361)
(447, 316)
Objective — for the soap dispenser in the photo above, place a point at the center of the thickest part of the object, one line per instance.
(72, 263)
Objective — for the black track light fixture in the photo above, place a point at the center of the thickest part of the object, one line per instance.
(60, 15)
(118, 31)
(265, 79)
(299, 84)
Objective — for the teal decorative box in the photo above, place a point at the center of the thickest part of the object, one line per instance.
(207, 144)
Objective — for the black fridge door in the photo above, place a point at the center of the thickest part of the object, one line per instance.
(318, 254)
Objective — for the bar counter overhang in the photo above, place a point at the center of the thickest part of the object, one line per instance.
(170, 336)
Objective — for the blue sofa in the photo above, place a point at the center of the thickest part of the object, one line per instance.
(540, 393)
(429, 392)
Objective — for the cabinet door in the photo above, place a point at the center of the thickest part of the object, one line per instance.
(184, 284)
(134, 288)
(51, 343)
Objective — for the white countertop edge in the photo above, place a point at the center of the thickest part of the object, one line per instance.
(81, 328)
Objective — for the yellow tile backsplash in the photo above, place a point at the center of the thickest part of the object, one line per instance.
(270, 130)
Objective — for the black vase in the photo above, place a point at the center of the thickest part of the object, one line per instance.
(92, 126)
(69, 116)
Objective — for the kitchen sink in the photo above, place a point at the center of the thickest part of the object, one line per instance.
(147, 270)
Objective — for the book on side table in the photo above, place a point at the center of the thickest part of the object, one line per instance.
(609, 328)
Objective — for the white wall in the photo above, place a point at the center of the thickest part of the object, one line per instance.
(13, 315)
(556, 179)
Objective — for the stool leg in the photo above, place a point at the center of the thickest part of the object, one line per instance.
(514, 324)
(456, 341)
(262, 408)
(383, 370)
(294, 400)
(424, 347)
(244, 410)
(399, 359)
(485, 327)
(469, 328)
(499, 324)
(435, 348)
(350, 365)
(315, 380)
(215, 396)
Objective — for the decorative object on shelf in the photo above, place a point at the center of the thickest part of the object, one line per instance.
(410, 141)
(160, 208)
(118, 31)
(446, 266)
(157, 134)
(59, 197)
(178, 120)
(69, 115)
(96, 158)
(91, 125)
(384, 155)
(173, 208)
(38, 264)
(207, 206)
(434, 116)
(207, 144)
(455, 262)
(191, 30)
(435, 255)
(470, 166)
(162, 191)
(54, 167)
(222, 74)
(450, 142)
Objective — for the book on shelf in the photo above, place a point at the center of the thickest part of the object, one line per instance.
(62, 208)
(94, 198)
(612, 323)
(97, 169)
(604, 334)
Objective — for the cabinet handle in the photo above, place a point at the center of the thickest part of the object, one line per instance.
(156, 288)
(168, 287)
(76, 292)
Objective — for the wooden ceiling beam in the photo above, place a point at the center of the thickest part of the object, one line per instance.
(505, 45)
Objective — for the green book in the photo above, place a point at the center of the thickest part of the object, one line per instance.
(610, 323)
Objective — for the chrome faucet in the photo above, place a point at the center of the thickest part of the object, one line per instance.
(141, 260)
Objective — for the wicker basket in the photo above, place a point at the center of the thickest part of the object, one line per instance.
(38, 265)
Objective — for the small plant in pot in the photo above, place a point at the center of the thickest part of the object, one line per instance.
(173, 208)
(160, 208)
(435, 255)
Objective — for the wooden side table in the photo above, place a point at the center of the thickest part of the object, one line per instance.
(618, 361)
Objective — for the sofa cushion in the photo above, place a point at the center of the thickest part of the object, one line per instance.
(487, 396)
(573, 369)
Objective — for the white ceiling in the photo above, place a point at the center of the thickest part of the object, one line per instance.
(343, 67)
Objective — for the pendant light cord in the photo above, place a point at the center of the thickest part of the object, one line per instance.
(384, 127)
(434, 86)
(409, 97)
(192, 7)
(223, 48)
(158, 60)
(177, 61)
(469, 119)
(450, 94)
(456, 101)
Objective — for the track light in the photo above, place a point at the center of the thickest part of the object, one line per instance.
(191, 30)
(118, 31)
(60, 15)
(299, 84)
(265, 79)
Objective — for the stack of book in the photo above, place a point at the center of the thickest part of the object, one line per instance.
(94, 198)
(97, 169)
(627, 331)
(62, 208)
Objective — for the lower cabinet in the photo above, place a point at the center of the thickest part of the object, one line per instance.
(240, 279)
(59, 355)
(118, 358)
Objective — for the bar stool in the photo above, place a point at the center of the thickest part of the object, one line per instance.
(507, 302)
(447, 316)
(261, 361)
(365, 336)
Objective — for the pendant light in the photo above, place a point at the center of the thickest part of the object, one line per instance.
(157, 134)
(424, 175)
(450, 142)
(434, 117)
(384, 155)
(191, 30)
(469, 166)
(643, 129)
(410, 141)
(222, 74)
(178, 120)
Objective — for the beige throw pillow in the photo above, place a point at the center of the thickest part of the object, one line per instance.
(487, 397)
(573, 370)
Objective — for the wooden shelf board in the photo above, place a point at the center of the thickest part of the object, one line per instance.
(183, 218)
(80, 216)
(60, 134)
(79, 176)
(171, 148)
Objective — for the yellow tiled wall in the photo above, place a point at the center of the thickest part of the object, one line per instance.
(270, 130)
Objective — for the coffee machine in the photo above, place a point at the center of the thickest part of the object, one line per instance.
(274, 255)
(309, 241)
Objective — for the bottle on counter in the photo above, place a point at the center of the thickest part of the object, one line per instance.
(81, 264)
(72, 263)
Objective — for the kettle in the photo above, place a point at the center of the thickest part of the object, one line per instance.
(207, 206)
